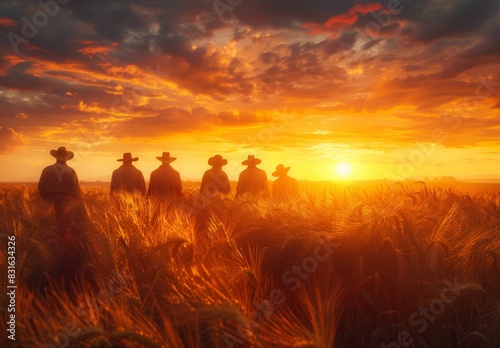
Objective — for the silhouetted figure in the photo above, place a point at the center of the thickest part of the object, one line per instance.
(215, 180)
(127, 177)
(252, 180)
(58, 185)
(165, 181)
(284, 187)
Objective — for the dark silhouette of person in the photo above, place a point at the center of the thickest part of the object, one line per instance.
(284, 187)
(215, 180)
(252, 180)
(165, 181)
(58, 185)
(127, 177)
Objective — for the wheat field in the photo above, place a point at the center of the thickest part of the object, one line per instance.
(394, 265)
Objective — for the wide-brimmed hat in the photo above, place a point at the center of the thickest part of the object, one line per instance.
(217, 160)
(165, 158)
(127, 157)
(62, 154)
(251, 160)
(281, 170)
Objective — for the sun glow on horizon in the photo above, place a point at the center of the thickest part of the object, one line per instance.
(343, 170)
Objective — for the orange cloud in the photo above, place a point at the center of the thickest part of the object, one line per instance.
(343, 20)
(93, 50)
(10, 61)
(10, 139)
(7, 22)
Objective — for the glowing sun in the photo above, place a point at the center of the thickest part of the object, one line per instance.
(343, 170)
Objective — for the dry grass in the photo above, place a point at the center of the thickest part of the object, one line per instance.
(146, 275)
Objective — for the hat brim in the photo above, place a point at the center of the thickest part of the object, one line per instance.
(213, 162)
(251, 162)
(166, 160)
(69, 155)
(126, 160)
(281, 172)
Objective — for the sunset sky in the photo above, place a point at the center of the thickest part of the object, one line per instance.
(393, 88)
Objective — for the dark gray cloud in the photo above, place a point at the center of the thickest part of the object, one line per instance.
(288, 13)
(447, 19)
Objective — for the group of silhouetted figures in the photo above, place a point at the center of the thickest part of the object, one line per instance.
(59, 186)
(59, 183)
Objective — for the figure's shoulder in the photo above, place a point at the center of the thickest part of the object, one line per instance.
(71, 170)
(48, 168)
(47, 171)
(121, 170)
(280, 181)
